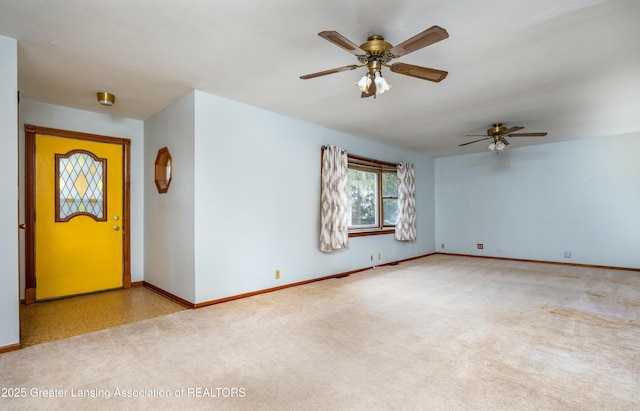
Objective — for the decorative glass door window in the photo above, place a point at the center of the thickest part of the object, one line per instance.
(81, 186)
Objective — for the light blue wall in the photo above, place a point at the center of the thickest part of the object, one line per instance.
(538, 202)
(257, 200)
(169, 220)
(9, 293)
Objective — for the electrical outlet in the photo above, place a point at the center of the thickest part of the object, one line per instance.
(442, 246)
(379, 256)
(277, 274)
(371, 257)
(480, 246)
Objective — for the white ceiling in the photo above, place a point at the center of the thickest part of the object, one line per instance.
(567, 67)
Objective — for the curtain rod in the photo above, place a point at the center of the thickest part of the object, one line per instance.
(364, 160)
(326, 147)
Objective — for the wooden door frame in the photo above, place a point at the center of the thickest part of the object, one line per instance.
(30, 132)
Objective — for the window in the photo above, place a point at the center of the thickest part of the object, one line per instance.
(373, 196)
(80, 186)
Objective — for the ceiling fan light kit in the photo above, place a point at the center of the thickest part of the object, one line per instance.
(376, 53)
(497, 134)
(364, 83)
(499, 146)
(381, 83)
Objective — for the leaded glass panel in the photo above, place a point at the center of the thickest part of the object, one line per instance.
(81, 185)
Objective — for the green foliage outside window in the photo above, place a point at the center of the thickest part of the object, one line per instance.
(362, 198)
(389, 198)
(365, 198)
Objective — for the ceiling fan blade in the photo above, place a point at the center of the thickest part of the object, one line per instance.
(420, 72)
(343, 42)
(528, 135)
(424, 39)
(504, 140)
(474, 141)
(370, 92)
(331, 71)
(475, 135)
(513, 129)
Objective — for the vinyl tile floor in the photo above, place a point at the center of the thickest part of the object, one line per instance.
(57, 319)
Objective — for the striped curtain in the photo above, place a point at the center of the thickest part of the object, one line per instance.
(406, 222)
(334, 200)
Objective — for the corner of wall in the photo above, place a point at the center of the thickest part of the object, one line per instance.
(9, 270)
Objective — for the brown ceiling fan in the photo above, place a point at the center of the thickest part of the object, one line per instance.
(376, 52)
(497, 132)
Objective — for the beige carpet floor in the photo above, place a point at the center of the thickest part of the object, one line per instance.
(438, 333)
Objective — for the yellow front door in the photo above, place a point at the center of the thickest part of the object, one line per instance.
(78, 216)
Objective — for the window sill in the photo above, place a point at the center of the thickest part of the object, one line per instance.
(371, 231)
